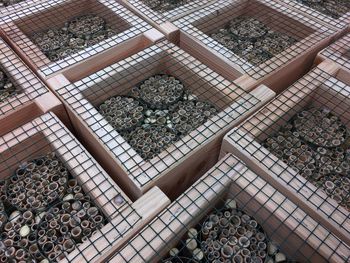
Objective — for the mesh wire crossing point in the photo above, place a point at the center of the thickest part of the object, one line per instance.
(18, 85)
(201, 104)
(301, 140)
(161, 11)
(54, 35)
(258, 43)
(331, 13)
(233, 214)
(339, 52)
(57, 203)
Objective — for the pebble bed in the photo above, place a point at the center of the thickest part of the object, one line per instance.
(252, 40)
(226, 235)
(7, 88)
(165, 5)
(76, 34)
(157, 112)
(315, 144)
(44, 212)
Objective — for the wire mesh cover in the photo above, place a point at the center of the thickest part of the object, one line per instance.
(339, 52)
(302, 137)
(57, 34)
(56, 202)
(332, 12)
(161, 11)
(232, 215)
(18, 85)
(259, 36)
(156, 107)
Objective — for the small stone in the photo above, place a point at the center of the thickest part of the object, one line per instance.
(68, 197)
(14, 215)
(272, 249)
(230, 203)
(280, 257)
(24, 231)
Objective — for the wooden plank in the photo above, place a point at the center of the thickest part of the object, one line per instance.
(286, 66)
(19, 26)
(173, 166)
(300, 234)
(47, 134)
(32, 99)
(315, 89)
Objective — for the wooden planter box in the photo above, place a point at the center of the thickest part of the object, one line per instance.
(20, 26)
(339, 24)
(157, 18)
(47, 134)
(196, 28)
(181, 162)
(33, 97)
(300, 236)
(338, 52)
(325, 86)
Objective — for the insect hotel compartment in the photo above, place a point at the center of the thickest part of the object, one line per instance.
(338, 52)
(54, 35)
(161, 11)
(335, 13)
(23, 96)
(57, 203)
(299, 142)
(233, 215)
(256, 37)
(148, 117)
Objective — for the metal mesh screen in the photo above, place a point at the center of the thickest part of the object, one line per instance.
(56, 202)
(18, 85)
(154, 108)
(339, 52)
(334, 13)
(160, 11)
(233, 215)
(302, 139)
(54, 35)
(258, 43)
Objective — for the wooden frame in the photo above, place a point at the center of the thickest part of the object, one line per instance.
(4, 11)
(19, 26)
(338, 52)
(339, 24)
(180, 163)
(317, 88)
(33, 98)
(192, 36)
(157, 18)
(45, 134)
(300, 234)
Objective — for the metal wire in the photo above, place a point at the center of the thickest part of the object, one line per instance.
(223, 193)
(204, 92)
(339, 52)
(18, 84)
(160, 11)
(46, 33)
(331, 13)
(292, 138)
(229, 30)
(42, 156)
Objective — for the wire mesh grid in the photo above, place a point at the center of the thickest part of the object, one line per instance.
(339, 52)
(8, 6)
(56, 202)
(233, 215)
(155, 108)
(301, 139)
(54, 35)
(18, 85)
(160, 11)
(334, 13)
(258, 36)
